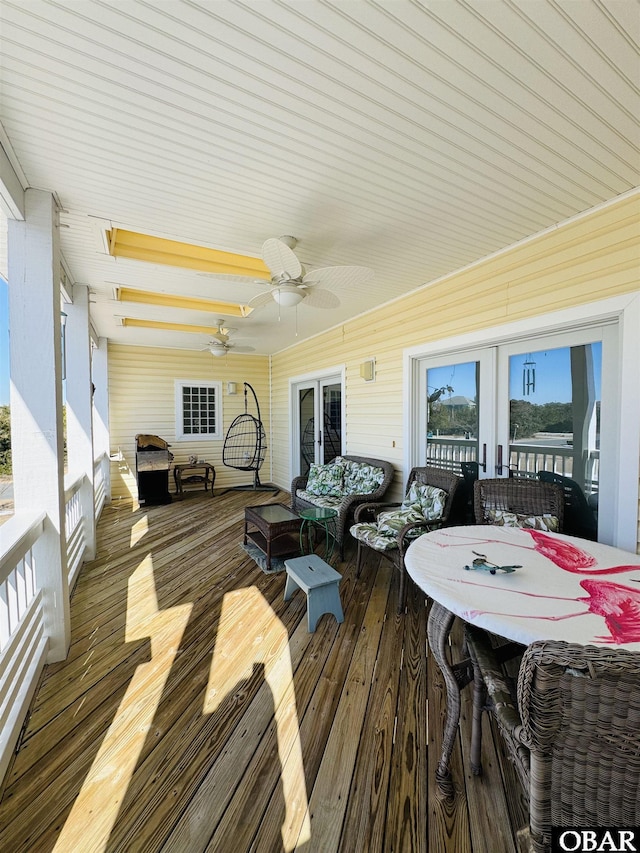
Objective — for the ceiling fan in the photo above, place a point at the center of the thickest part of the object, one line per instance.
(291, 283)
(220, 344)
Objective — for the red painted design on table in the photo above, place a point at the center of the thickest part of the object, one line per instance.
(619, 606)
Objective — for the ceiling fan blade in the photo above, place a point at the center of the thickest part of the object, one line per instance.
(321, 298)
(242, 349)
(261, 299)
(338, 276)
(280, 259)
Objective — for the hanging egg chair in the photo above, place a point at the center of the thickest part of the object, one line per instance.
(245, 446)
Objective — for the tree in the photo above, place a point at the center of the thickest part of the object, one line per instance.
(5, 440)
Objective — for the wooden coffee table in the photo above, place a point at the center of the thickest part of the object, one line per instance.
(274, 528)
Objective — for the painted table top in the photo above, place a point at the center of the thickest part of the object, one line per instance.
(563, 589)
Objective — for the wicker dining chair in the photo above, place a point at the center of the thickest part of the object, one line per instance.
(523, 498)
(393, 545)
(573, 732)
(521, 503)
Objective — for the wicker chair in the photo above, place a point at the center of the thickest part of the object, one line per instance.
(367, 514)
(573, 734)
(527, 499)
(348, 505)
(523, 497)
(579, 517)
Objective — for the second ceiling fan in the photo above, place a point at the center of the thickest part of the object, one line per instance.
(291, 284)
(220, 344)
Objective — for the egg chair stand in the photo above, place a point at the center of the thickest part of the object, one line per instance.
(245, 447)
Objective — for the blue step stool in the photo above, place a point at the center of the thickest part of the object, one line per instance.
(320, 582)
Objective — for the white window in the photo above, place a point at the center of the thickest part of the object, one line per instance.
(198, 410)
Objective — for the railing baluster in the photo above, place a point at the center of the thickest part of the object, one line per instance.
(5, 631)
(527, 459)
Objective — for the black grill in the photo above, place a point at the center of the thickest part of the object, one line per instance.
(153, 458)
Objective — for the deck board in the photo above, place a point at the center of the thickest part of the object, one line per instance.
(195, 712)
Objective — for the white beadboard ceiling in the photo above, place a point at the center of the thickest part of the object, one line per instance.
(410, 137)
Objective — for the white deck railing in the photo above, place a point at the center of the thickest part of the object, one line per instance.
(100, 483)
(525, 459)
(23, 640)
(530, 458)
(450, 452)
(75, 531)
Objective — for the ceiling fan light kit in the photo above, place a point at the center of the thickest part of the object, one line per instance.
(287, 295)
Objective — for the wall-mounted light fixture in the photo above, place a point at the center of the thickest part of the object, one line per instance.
(368, 370)
(232, 388)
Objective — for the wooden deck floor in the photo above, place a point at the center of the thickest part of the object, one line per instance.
(196, 713)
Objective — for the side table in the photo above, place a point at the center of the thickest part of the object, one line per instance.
(204, 469)
(272, 527)
(323, 518)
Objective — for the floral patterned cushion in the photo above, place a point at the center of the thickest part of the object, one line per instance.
(503, 518)
(428, 501)
(392, 521)
(359, 477)
(325, 479)
(370, 534)
(332, 501)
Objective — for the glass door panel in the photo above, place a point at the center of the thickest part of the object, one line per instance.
(456, 411)
(452, 414)
(306, 428)
(331, 438)
(554, 411)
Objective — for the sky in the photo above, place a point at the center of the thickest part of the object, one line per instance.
(4, 343)
(552, 376)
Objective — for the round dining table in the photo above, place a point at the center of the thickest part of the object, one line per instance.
(523, 585)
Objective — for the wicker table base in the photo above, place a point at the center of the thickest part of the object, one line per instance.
(456, 676)
(270, 527)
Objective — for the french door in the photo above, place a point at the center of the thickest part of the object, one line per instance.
(544, 403)
(318, 422)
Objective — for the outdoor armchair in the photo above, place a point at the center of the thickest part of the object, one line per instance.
(389, 529)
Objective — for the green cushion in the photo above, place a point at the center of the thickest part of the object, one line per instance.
(360, 478)
(370, 534)
(503, 518)
(325, 479)
(392, 521)
(331, 501)
(429, 501)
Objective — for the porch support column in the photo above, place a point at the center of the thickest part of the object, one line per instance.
(36, 401)
(101, 439)
(79, 408)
